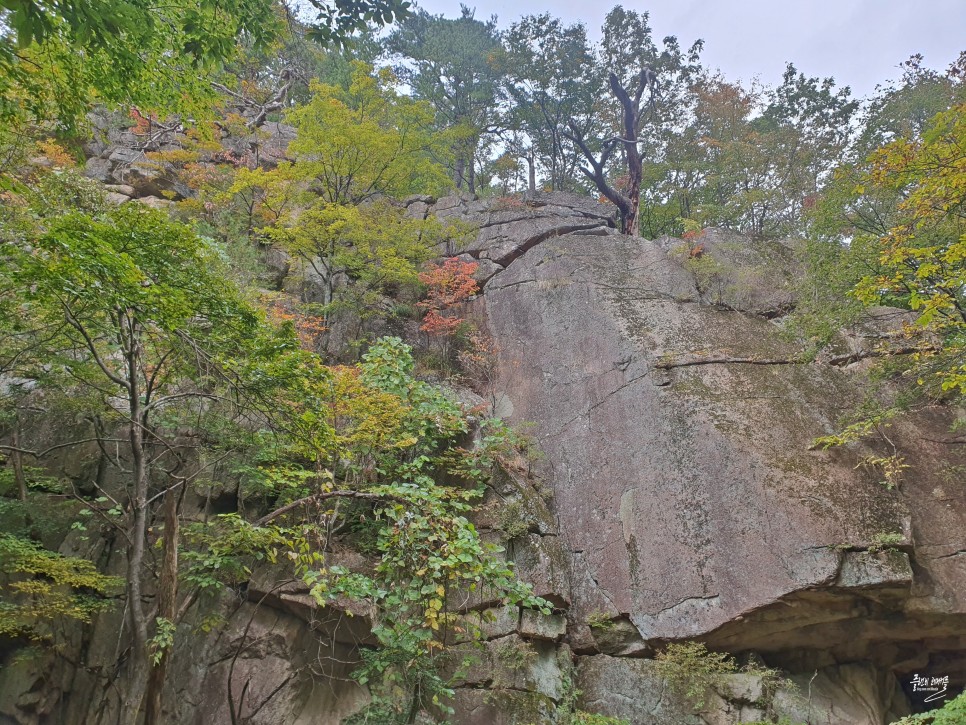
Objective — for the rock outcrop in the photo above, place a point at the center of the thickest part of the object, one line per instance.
(143, 163)
(676, 419)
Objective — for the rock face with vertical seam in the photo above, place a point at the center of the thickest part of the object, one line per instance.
(687, 496)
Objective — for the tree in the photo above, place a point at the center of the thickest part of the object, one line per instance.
(549, 77)
(144, 317)
(922, 256)
(65, 55)
(264, 80)
(355, 148)
(375, 248)
(368, 141)
(627, 196)
(451, 64)
(903, 108)
(135, 316)
(805, 128)
(901, 213)
(627, 46)
(633, 64)
(450, 285)
(753, 160)
(852, 207)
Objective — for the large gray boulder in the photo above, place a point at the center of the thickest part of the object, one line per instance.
(677, 424)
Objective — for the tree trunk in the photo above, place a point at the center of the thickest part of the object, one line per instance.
(139, 664)
(531, 172)
(167, 601)
(16, 458)
(631, 116)
(631, 222)
(627, 203)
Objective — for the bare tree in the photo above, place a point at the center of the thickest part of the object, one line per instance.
(626, 199)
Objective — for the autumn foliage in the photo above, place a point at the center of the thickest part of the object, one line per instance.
(450, 285)
(142, 123)
(309, 328)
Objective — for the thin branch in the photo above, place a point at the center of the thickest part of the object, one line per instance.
(45, 451)
(362, 495)
(691, 362)
(960, 441)
(848, 359)
(182, 480)
(837, 361)
(97, 510)
(89, 342)
(178, 396)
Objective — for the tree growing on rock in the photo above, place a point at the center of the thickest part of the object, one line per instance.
(650, 89)
(634, 105)
(357, 256)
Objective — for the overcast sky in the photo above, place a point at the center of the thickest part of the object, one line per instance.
(858, 42)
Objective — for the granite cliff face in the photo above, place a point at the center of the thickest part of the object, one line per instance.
(676, 420)
(677, 498)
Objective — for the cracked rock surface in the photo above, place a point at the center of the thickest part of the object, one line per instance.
(687, 497)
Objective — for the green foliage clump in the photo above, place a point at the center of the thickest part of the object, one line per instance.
(601, 621)
(365, 141)
(513, 520)
(886, 542)
(58, 58)
(693, 672)
(41, 588)
(41, 516)
(951, 713)
(223, 552)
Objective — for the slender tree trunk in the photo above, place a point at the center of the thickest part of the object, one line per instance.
(414, 705)
(139, 663)
(167, 601)
(555, 182)
(16, 458)
(531, 171)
